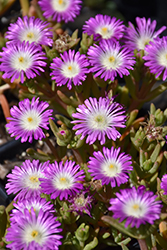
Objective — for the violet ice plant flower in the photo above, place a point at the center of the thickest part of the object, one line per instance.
(22, 59)
(70, 68)
(109, 59)
(156, 57)
(136, 206)
(141, 36)
(164, 183)
(62, 180)
(36, 202)
(29, 119)
(81, 202)
(60, 10)
(110, 166)
(24, 181)
(30, 29)
(104, 27)
(31, 231)
(96, 119)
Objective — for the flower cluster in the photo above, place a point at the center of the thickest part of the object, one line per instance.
(99, 161)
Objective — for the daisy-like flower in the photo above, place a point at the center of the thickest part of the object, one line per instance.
(22, 59)
(31, 231)
(136, 206)
(104, 27)
(164, 183)
(24, 181)
(81, 202)
(156, 57)
(99, 118)
(70, 68)
(109, 59)
(62, 180)
(111, 166)
(37, 203)
(60, 10)
(144, 33)
(29, 119)
(31, 30)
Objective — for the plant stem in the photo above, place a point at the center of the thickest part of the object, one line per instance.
(142, 244)
(77, 156)
(25, 7)
(53, 149)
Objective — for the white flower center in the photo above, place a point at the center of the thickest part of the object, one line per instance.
(142, 42)
(111, 169)
(63, 181)
(60, 5)
(34, 233)
(70, 69)
(99, 120)
(111, 60)
(105, 31)
(162, 58)
(31, 180)
(30, 35)
(135, 208)
(21, 60)
(30, 120)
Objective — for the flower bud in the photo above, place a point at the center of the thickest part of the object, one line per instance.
(82, 233)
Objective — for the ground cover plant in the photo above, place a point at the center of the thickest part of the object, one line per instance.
(103, 183)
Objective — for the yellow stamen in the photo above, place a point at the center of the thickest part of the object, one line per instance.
(99, 118)
(69, 67)
(29, 119)
(104, 29)
(111, 166)
(135, 206)
(30, 210)
(30, 35)
(60, 1)
(166, 56)
(34, 179)
(34, 233)
(111, 58)
(21, 59)
(63, 179)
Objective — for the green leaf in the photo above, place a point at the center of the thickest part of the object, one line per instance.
(140, 233)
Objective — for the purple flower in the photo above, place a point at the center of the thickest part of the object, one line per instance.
(81, 202)
(24, 181)
(31, 30)
(61, 10)
(20, 59)
(62, 180)
(136, 206)
(111, 166)
(155, 57)
(164, 184)
(99, 118)
(37, 203)
(144, 33)
(70, 68)
(31, 231)
(104, 27)
(109, 59)
(29, 119)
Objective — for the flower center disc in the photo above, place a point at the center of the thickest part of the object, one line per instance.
(99, 122)
(60, 5)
